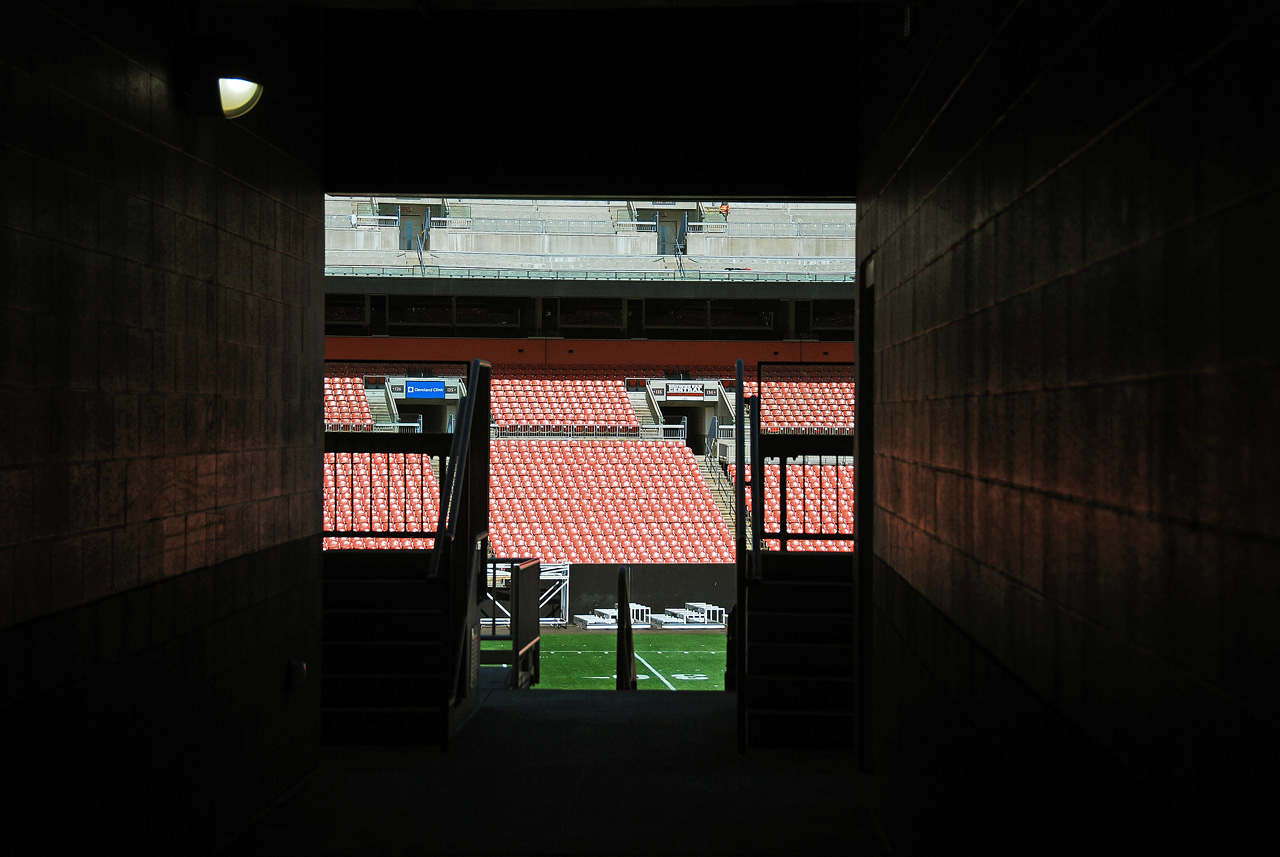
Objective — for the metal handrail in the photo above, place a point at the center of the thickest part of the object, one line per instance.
(451, 490)
(564, 430)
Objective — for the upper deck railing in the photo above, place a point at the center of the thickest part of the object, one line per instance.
(492, 273)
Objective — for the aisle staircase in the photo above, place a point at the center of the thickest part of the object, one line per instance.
(379, 407)
(384, 649)
(721, 489)
(794, 635)
(798, 685)
(640, 404)
(400, 633)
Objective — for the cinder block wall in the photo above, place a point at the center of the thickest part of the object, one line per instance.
(161, 306)
(1071, 210)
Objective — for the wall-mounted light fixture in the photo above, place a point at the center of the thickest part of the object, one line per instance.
(238, 96)
(223, 78)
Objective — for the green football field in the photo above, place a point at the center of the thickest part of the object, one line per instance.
(665, 660)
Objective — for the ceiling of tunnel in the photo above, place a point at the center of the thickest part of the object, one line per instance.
(561, 98)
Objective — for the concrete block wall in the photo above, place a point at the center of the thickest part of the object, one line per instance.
(161, 297)
(1070, 211)
(382, 238)
(466, 241)
(719, 244)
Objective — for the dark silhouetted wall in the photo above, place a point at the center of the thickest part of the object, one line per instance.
(1071, 210)
(161, 309)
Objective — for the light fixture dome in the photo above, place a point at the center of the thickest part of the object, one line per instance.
(238, 96)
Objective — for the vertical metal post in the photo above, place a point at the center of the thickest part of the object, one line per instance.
(625, 678)
(736, 644)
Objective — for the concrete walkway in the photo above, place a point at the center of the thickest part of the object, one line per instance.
(576, 772)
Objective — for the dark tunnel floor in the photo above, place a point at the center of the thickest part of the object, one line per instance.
(575, 772)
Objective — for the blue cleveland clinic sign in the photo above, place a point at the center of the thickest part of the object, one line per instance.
(424, 389)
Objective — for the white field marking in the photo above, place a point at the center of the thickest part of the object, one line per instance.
(655, 672)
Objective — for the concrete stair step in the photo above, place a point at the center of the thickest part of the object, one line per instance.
(797, 693)
(787, 659)
(799, 598)
(378, 658)
(416, 690)
(782, 627)
(389, 626)
(800, 729)
(402, 565)
(380, 594)
(810, 567)
(370, 725)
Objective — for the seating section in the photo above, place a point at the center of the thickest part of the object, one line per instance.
(549, 396)
(609, 371)
(603, 501)
(581, 403)
(583, 500)
(345, 406)
(379, 492)
(806, 399)
(820, 500)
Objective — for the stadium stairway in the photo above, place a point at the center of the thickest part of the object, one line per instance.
(383, 649)
(378, 406)
(640, 404)
(798, 681)
(721, 490)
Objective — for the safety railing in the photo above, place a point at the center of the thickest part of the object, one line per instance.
(511, 602)
(495, 273)
(354, 221)
(523, 226)
(785, 445)
(567, 432)
(636, 225)
(381, 486)
(780, 229)
(572, 432)
(462, 535)
(652, 402)
(664, 432)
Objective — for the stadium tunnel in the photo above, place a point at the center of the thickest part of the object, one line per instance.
(1067, 404)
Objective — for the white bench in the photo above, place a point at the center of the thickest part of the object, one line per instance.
(709, 612)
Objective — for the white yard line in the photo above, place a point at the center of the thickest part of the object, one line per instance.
(655, 672)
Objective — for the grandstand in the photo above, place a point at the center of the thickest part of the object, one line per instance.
(600, 454)
(584, 468)
(346, 407)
